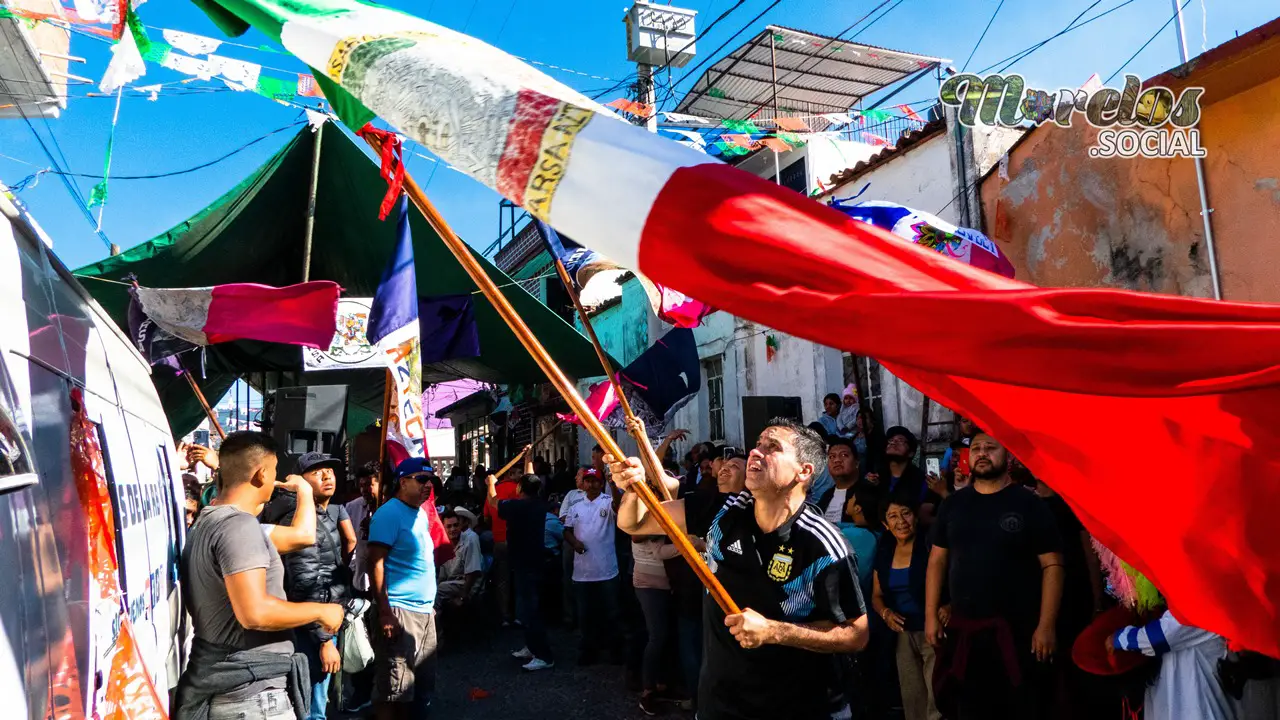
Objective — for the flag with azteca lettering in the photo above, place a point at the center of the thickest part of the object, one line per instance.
(393, 328)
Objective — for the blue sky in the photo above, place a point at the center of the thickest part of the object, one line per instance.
(181, 131)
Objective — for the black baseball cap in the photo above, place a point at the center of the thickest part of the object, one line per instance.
(315, 460)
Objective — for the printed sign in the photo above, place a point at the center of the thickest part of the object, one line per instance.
(349, 348)
(1134, 121)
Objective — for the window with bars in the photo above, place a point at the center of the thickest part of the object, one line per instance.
(713, 370)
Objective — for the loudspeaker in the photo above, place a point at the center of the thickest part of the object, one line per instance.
(757, 411)
(307, 419)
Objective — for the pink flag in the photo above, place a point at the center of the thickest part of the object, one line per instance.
(303, 314)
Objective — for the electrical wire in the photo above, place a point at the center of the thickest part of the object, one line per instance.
(714, 53)
(1023, 54)
(981, 37)
(71, 188)
(174, 173)
(1148, 42)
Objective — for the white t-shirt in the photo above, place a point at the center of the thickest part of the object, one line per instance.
(835, 509)
(593, 523)
(571, 498)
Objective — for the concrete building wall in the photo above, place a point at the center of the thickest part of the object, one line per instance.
(1067, 219)
(919, 178)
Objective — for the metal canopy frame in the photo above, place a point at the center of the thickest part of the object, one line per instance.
(814, 74)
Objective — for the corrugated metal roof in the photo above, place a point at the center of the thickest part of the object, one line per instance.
(815, 74)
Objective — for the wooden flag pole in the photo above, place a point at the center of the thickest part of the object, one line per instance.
(386, 417)
(213, 417)
(648, 457)
(557, 377)
(505, 468)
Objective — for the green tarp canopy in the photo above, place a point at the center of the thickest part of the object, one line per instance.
(255, 233)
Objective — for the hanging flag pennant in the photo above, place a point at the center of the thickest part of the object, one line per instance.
(906, 110)
(688, 119)
(302, 314)
(728, 149)
(191, 44)
(157, 52)
(690, 135)
(837, 118)
(740, 126)
(394, 329)
(237, 71)
(1073, 364)
(931, 232)
(276, 88)
(307, 86)
(741, 141)
(126, 64)
(876, 117)
(793, 124)
(658, 383)
(203, 69)
(873, 139)
(791, 139)
(775, 144)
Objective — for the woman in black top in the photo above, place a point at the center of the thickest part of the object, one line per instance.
(902, 558)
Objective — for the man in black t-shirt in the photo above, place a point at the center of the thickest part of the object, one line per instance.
(997, 547)
(525, 516)
(790, 571)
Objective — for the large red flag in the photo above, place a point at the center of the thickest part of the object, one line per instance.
(1156, 417)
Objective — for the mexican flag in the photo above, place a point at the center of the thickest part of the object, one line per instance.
(1153, 416)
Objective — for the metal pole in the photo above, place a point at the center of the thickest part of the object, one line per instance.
(773, 63)
(1199, 163)
(648, 96)
(311, 205)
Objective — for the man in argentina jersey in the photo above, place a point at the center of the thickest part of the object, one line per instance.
(789, 569)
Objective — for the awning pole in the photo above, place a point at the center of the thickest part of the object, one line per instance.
(213, 418)
(648, 457)
(773, 63)
(557, 377)
(311, 205)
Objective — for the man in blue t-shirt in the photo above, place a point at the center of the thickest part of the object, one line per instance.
(403, 576)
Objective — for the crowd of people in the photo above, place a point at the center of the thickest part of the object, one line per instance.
(865, 586)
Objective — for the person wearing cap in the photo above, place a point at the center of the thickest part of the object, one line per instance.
(318, 572)
(457, 578)
(899, 477)
(403, 573)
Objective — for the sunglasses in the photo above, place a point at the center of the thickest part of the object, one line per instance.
(420, 477)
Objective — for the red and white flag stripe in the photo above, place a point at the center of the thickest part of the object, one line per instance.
(303, 314)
